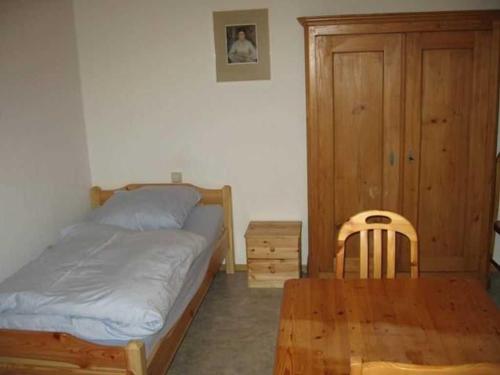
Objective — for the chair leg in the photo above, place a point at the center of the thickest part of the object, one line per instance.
(356, 366)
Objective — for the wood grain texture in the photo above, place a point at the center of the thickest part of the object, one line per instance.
(377, 253)
(484, 262)
(136, 357)
(446, 182)
(310, 47)
(416, 321)
(53, 368)
(227, 205)
(322, 193)
(401, 22)
(416, 137)
(358, 367)
(59, 347)
(357, 128)
(376, 222)
(273, 252)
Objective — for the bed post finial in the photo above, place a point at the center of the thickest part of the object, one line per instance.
(136, 357)
(228, 222)
(95, 197)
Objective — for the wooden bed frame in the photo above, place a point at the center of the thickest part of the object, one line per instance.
(36, 352)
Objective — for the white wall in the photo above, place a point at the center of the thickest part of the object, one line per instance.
(152, 105)
(44, 171)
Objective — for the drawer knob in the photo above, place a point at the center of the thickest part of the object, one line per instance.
(272, 249)
(271, 269)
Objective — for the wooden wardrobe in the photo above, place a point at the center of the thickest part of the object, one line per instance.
(402, 116)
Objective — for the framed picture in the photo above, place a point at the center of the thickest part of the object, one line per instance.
(242, 45)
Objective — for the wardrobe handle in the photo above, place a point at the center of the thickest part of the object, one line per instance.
(410, 156)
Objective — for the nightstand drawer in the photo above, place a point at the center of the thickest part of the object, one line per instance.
(273, 242)
(271, 252)
(269, 270)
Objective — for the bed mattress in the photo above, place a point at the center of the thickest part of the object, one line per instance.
(206, 221)
(110, 285)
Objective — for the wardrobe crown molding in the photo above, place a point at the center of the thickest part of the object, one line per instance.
(432, 21)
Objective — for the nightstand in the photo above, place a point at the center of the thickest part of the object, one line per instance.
(273, 252)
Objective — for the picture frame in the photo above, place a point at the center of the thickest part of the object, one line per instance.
(242, 45)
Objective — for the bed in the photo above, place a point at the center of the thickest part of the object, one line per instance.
(42, 352)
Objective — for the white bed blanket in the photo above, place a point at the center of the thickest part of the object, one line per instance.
(101, 282)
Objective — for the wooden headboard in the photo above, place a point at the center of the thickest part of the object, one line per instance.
(208, 196)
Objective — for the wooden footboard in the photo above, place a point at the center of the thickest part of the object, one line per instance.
(31, 352)
(51, 353)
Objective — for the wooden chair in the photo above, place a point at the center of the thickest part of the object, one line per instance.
(394, 368)
(359, 223)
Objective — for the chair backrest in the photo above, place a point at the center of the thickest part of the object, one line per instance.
(394, 368)
(359, 224)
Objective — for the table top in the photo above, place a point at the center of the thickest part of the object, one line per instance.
(422, 321)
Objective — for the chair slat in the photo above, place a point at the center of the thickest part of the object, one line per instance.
(377, 253)
(413, 260)
(361, 223)
(391, 254)
(363, 254)
(339, 270)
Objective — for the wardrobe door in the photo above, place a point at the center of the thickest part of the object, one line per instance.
(354, 137)
(449, 147)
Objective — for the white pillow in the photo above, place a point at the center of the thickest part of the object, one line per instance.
(148, 208)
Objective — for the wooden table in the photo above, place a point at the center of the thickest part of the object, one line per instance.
(422, 321)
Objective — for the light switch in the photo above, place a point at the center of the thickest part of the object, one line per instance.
(176, 177)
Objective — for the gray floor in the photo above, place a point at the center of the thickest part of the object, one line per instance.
(235, 329)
